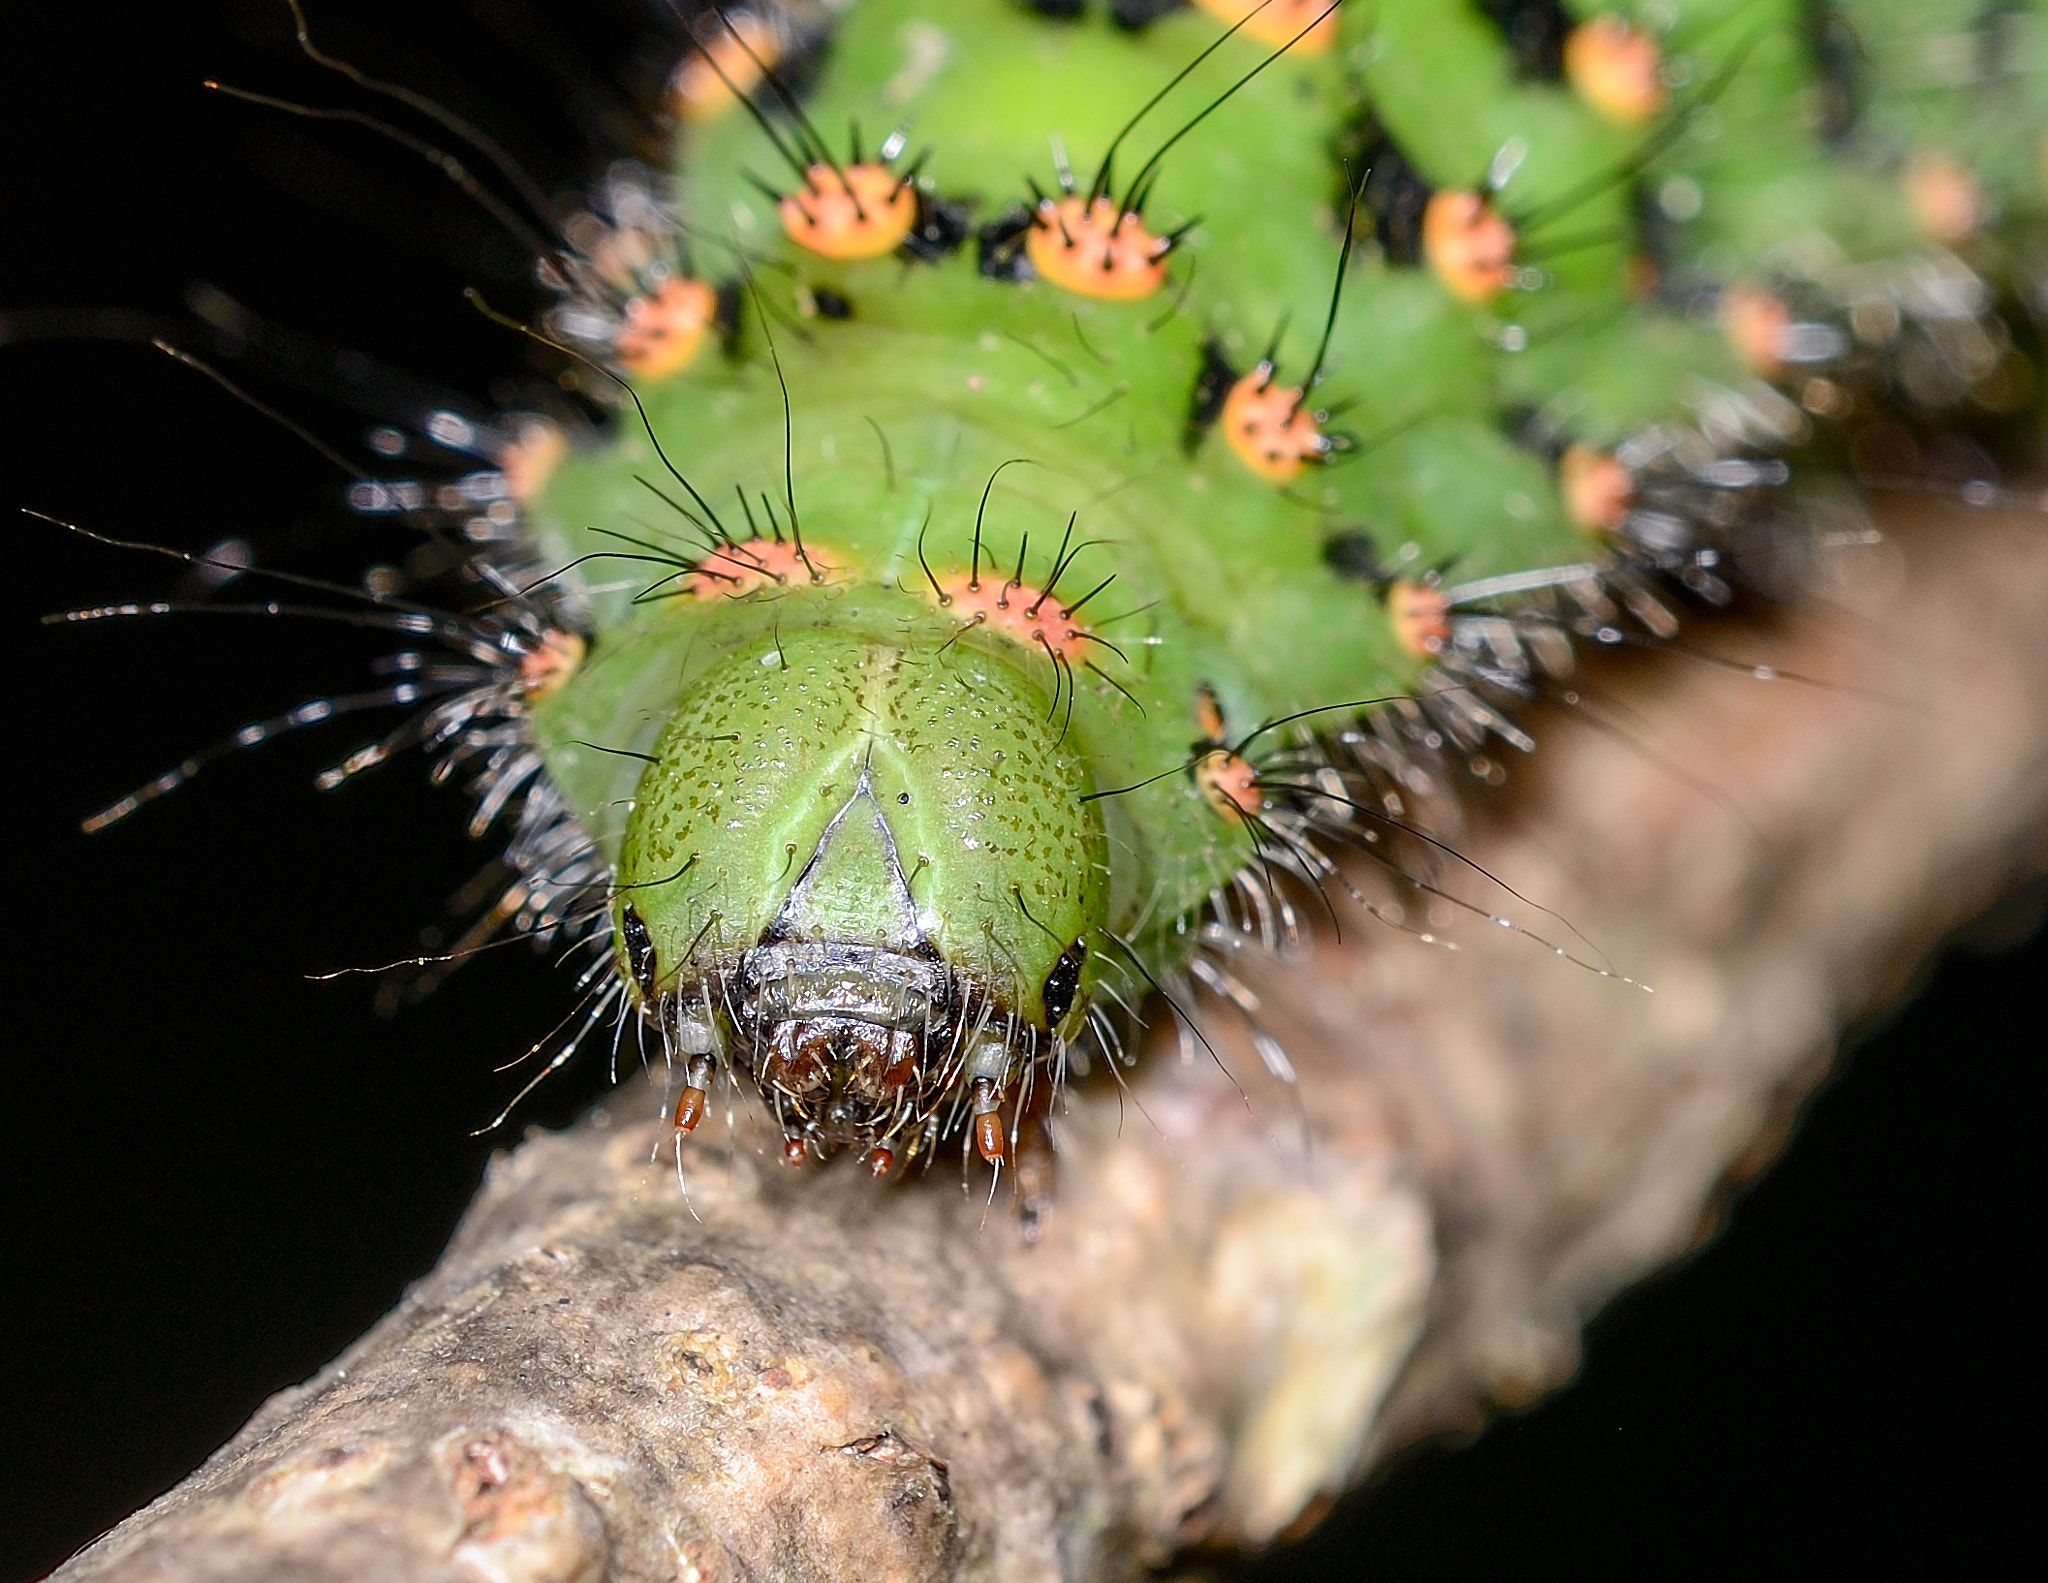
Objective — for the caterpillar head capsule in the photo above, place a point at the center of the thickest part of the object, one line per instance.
(859, 871)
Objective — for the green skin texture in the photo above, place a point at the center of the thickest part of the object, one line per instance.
(955, 750)
(901, 416)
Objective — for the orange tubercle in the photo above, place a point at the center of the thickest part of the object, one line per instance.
(1093, 249)
(663, 331)
(1597, 489)
(535, 451)
(988, 1136)
(544, 668)
(1468, 244)
(702, 89)
(1617, 69)
(1755, 321)
(1228, 784)
(1270, 429)
(1017, 610)
(1421, 618)
(736, 569)
(857, 211)
(1281, 20)
(1946, 201)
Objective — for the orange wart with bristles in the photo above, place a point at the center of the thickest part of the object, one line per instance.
(630, 295)
(1616, 68)
(1596, 487)
(1094, 247)
(551, 661)
(849, 212)
(663, 329)
(734, 570)
(1097, 245)
(1033, 617)
(1228, 783)
(706, 84)
(1756, 321)
(1022, 613)
(537, 447)
(1270, 428)
(1947, 203)
(1469, 244)
(1420, 614)
(844, 210)
(1281, 21)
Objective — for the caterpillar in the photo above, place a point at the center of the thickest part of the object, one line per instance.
(888, 820)
(1220, 654)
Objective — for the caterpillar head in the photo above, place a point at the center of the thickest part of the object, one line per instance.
(859, 870)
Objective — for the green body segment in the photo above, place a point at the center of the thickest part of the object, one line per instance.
(898, 463)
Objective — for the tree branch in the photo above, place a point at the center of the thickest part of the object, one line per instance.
(1246, 1295)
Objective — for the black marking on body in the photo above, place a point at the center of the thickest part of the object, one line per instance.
(1132, 15)
(725, 317)
(1205, 402)
(1354, 555)
(999, 246)
(1535, 31)
(941, 227)
(1395, 192)
(640, 957)
(1062, 983)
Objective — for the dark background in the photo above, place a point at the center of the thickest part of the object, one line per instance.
(218, 1172)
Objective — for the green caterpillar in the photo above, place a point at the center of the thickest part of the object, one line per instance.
(1170, 452)
(890, 815)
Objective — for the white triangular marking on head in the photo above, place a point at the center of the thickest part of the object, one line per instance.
(857, 859)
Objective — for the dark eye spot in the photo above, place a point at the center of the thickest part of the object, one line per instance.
(903, 797)
(1061, 983)
(832, 304)
(639, 950)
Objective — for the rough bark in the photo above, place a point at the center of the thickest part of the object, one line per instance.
(1245, 1295)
